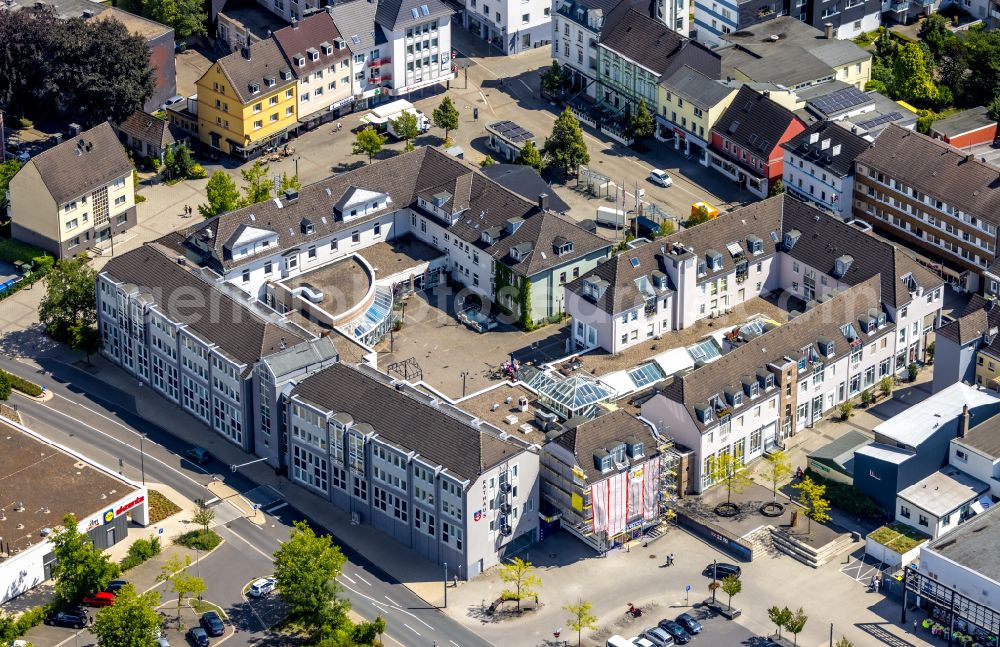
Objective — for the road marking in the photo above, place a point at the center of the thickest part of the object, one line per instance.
(348, 579)
(390, 601)
(241, 538)
(110, 437)
(358, 575)
(454, 643)
(212, 500)
(411, 628)
(276, 508)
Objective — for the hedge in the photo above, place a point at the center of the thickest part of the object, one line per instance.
(849, 499)
(23, 385)
(141, 551)
(11, 628)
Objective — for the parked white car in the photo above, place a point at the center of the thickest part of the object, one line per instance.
(261, 587)
(661, 177)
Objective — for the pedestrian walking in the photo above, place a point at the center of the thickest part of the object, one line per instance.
(670, 559)
(915, 623)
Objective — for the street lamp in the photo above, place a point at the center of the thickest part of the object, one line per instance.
(296, 160)
(465, 374)
(446, 585)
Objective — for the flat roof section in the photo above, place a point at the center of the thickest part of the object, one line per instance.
(943, 491)
(398, 256)
(343, 285)
(492, 406)
(975, 544)
(46, 483)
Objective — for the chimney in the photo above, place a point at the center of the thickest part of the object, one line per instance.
(295, 23)
(543, 201)
(246, 50)
(970, 157)
(963, 423)
(828, 30)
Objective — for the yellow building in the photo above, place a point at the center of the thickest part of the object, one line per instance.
(690, 104)
(246, 101)
(988, 368)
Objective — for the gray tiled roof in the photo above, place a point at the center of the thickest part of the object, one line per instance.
(70, 169)
(650, 43)
(147, 128)
(239, 333)
(356, 19)
(526, 182)
(695, 87)
(974, 545)
(823, 321)
(402, 419)
(398, 14)
(424, 172)
(841, 164)
(266, 61)
(790, 66)
(599, 433)
(984, 438)
(766, 38)
(754, 122)
(542, 231)
(310, 32)
(937, 169)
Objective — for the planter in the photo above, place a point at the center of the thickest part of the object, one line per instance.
(725, 610)
(772, 509)
(727, 509)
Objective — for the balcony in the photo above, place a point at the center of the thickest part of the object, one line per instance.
(381, 78)
(375, 62)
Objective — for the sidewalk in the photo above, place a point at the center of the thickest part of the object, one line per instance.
(398, 562)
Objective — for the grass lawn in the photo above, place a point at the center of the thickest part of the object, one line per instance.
(898, 537)
(160, 507)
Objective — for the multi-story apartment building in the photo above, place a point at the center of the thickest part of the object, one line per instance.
(747, 139)
(419, 39)
(773, 245)
(716, 20)
(576, 29)
(967, 349)
(690, 104)
(318, 57)
(247, 100)
(75, 195)
(772, 386)
(635, 53)
(933, 198)
(819, 166)
(509, 26)
(610, 478)
(439, 481)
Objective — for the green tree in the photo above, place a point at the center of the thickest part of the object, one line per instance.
(777, 188)
(911, 79)
(701, 214)
(845, 408)
(641, 123)
(666, 227)
(520, 576)
(203, 515)
(85, 338)
(289, 182)
(80, 568)
(5, 386)
(844, 642)
(885, 386)
(728, 470)
(811, 496)
(187, 17)
(796, 623)
(779, 617)
(70, 298)
(553, 79)
(445, 116)
(486, 161)
(174, 573)
(530, 156)
(132, 621)
(306, 568)
(732, 586)
(223, 196)
(876, 86)
(368, 142)
(259, 183)
(8, 170)
(994, 110)
(581, 617)
(934, 31)
(566, 146)
(183, 162)
(777, 469)
(406, 128)
(867, 397)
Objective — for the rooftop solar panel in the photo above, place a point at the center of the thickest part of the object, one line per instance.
(512, 132)
(881, 119)
(841, 100)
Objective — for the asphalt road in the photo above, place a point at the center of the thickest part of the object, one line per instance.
(99, 421)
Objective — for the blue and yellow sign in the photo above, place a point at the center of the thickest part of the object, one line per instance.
(109, 516)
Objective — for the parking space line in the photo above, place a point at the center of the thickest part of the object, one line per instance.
(348, 579)
(454, 643)
(357, 575)
(276, 508)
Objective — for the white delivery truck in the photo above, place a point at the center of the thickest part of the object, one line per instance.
(381, 117)
(611, 217)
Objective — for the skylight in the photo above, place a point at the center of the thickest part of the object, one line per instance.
(425, 10)
(414, 12)
(634, 261)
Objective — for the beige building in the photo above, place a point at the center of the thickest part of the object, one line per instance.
(74, 196)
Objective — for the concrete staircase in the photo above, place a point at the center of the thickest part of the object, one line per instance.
(806, 553)
(760, 539)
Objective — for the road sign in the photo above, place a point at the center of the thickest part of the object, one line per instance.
(159, 531)
(687, 588)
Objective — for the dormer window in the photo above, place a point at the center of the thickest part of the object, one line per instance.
(755, 244)
(791, 237)
(769, 381)
(714, 260)
(841, 265)
(754, 390)
(286, 75)
(307, 226)
(270, 82)
(254, 88)
(703, 412)
(702, 269)
(486, 238)
(313, 54)
(327, 49)
(300, 60)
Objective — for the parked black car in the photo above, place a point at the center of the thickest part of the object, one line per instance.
(722, 570)
(197, 636)
(75, 617)
(114, 585)
(690, 625)
(212, 623)
(677, 632)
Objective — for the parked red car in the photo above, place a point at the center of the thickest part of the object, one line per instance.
(102, 599)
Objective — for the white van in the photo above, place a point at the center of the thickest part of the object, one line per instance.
(261, 587)
(618, 641)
